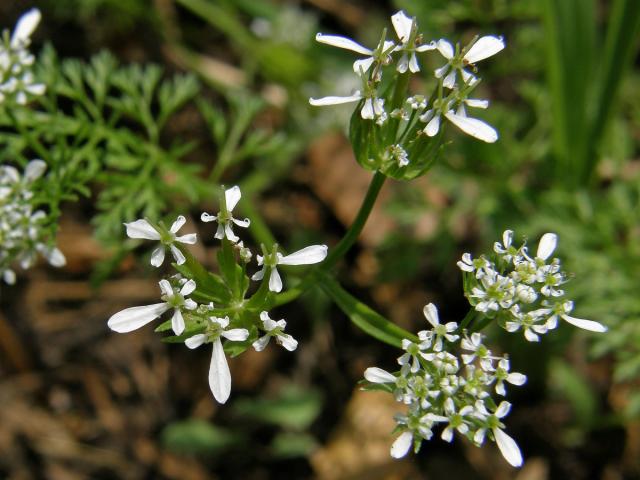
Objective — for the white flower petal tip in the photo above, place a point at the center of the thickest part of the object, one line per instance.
(485, 47)
(508, 447)
(378, 375)
(474, 127)
(589, 325)
(131, 319)
(219, 374)
(401, 445)
(547, 245)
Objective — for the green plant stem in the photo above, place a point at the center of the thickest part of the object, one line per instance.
(468, 318)
(343, 246)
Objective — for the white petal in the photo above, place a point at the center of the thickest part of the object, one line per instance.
(362, 65)
(232, 197)
(585, 324)
(439, 72)
(402, 445)
(342, 42)
(426, 47)
(367, 110)
(477, 103)
(503, 409)
(34, 170)
(190, 304)
(431, 314)
(306, 256)
(508, 447)
(241, 223)
(334, 100)
(188, 288)
(177, 322)
(275, 282)
(516, 378)
(530, 336)
(36, 89)
(141, 229)
(474, 127)
(402, 25)
(236, 334)
(205, 217)
(259, 275)
(157, 257)
(177, 255)
(450, 80)
(195, 341)
(445, 48)
(447, 434)
(219, 374)
(287, 341)
(228, 232)
(55, 257)
(433, 126)
(413, 63)
(507, 238)
(547, 245)
(190, 238)
(485, 47)
(133, 318)
(27, 23)
(165, 286)
(177, 225)
(378, 375)
(261, 343)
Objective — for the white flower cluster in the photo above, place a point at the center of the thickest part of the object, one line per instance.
(22, 232)
(449, 393)
(402, 53)
(16, 77)
(520, 291)
(206, 319)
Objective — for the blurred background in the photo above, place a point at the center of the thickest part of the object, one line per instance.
(79, 401)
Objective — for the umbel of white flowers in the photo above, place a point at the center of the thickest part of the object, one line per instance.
(16, 77)
(449, 393)
(520, 291)
(21, 228)
(452, 106)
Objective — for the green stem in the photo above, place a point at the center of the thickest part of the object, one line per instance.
(343, 246)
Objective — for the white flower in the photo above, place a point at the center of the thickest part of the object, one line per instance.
(219, 374)
(133, 318)
(440, 331)
(225, 218)
(275, 329)
(456, 419)
(507, 445)
(306, 256)
(362, 65)
(403, 26)
(562, 310)
(503, 374)
(143, 229)
(484, 47)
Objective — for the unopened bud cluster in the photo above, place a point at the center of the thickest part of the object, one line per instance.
(23, 232)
